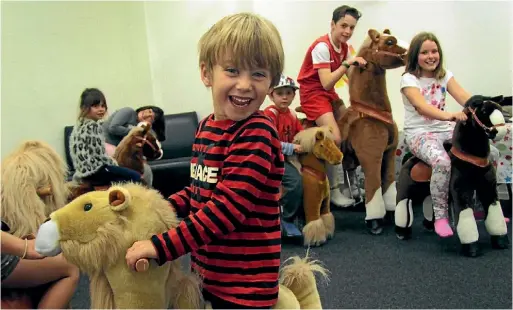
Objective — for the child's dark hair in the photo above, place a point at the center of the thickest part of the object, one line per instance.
(159, 124)
(344, 10)
(91, 97)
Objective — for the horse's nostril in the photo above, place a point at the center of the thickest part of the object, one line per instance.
(48, 219)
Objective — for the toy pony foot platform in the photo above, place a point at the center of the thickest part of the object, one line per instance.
(94, 232)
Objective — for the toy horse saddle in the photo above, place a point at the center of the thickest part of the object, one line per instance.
(421, 172)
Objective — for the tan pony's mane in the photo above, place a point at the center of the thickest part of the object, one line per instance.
(32, 166)
(306, 138)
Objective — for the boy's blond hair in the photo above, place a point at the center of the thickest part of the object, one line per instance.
(251, 40)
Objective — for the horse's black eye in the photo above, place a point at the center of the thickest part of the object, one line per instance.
(390, 42)
(88, 207)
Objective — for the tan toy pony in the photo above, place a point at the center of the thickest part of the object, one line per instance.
(319, 148)
(33, 186)
(95, 230)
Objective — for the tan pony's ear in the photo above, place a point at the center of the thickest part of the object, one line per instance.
(119, 198)
(386, 31)
(374, 35)
(319, 135)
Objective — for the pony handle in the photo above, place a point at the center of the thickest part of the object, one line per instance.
(142, 265)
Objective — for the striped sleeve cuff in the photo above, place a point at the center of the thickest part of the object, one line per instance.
(161, 253)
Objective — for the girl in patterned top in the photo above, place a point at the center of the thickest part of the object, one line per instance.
(427, 125)
(87, 144)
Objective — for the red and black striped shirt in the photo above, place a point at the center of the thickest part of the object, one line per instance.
(232, 223)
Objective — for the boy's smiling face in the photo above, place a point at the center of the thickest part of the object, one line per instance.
(237, 92)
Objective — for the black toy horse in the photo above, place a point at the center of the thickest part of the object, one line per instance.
(470, 172)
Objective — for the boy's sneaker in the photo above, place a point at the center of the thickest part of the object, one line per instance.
(340, 200)
(290, 230)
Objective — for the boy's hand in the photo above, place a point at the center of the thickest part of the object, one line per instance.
(298, 149)
(359, 60)
(140, 249)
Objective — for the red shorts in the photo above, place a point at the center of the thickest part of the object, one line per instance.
(317, 104)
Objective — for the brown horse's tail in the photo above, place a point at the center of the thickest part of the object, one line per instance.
(299, 277)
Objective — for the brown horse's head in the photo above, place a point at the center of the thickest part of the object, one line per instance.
(140, 143)
(383, 50)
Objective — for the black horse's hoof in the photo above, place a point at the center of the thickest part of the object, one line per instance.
(500, 242)
(375, 226)
(403, 233)
(470, 249)
(428, 225)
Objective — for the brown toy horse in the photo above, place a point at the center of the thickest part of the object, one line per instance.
(369, 133)
(319, 148)
(137, 146)
(367, 126)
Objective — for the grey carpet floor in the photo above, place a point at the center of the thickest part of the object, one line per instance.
(383, 272)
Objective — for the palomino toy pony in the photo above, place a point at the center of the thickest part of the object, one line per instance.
(137, 146)
(368, 131)
(319, 148)
(33, 186)
(95, 230)
(470, 172)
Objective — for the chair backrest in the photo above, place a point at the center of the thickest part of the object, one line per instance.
(180, 133)
(67, 133)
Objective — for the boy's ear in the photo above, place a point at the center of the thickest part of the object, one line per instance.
(205, 75)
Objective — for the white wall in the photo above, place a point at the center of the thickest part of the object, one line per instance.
(51, 51)
(475, 36)
(146, 52)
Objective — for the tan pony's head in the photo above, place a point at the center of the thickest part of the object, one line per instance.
(140, 143)
(319, 141)
(94, 232)
(33, 186)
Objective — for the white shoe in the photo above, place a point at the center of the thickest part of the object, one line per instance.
(346, 193)
(340, 200)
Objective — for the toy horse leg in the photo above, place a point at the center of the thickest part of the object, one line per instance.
(314, 232)
(328, 219)
(427, 210)
(403, 215)
(369, 140)
(495, 222)
(466, 228)
(388, 175)
(389, 184)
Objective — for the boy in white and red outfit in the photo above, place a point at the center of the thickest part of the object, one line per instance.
(287, 126)
(325, 62)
